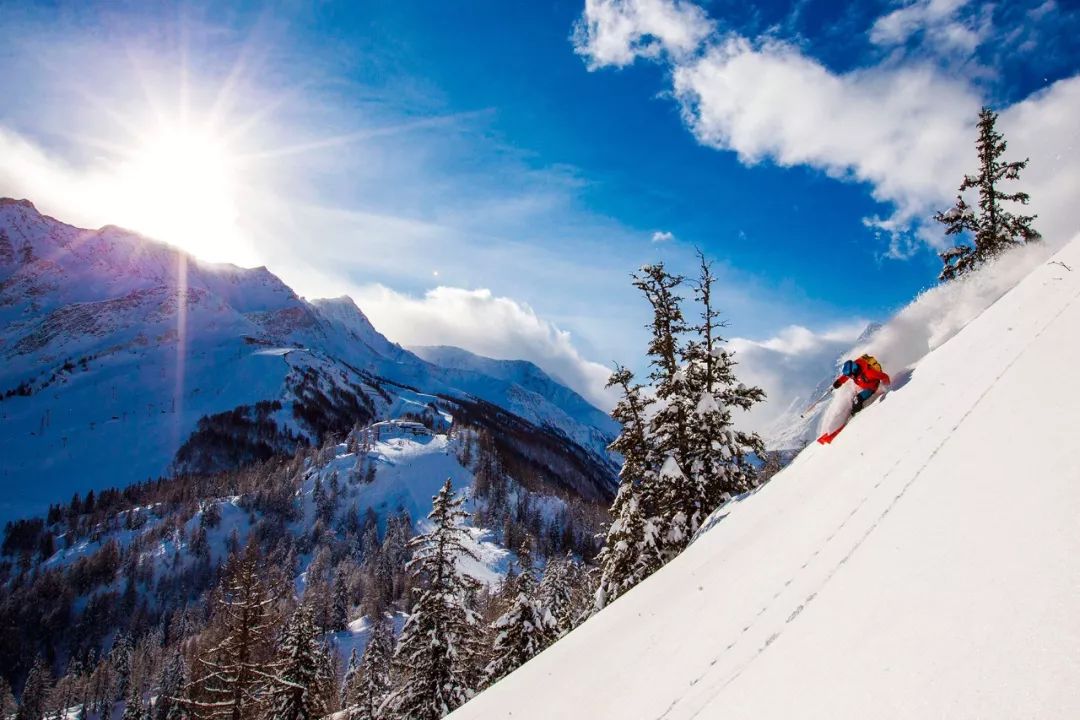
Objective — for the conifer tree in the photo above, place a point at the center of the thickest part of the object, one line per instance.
(370, 684)
(525, 628)
(295, 693)
(721, 466)
(133, 709)
(559, 586)
(369, 539)
(669, 424)
(352, 677)
(236, 671)
(339, 606)
(435, 657)
(66, 691)
(170, 685)
(120, 656)
(685, 458)
(35, 689)
(992, 228)
(178, 711)
(676, 499)
(630, 552)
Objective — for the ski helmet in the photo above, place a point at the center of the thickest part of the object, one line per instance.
(850, 368)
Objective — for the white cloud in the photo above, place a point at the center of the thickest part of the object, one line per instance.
(617, 32)
(662, 236)
(941, 23)
(483, 323)
(888, 127)
(906, 128)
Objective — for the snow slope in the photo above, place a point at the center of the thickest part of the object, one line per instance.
(927, 564)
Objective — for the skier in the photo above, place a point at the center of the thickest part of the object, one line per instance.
(867, 374)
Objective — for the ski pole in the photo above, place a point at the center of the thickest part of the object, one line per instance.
(815, 403)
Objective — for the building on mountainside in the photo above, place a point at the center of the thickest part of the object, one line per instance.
(388, 429)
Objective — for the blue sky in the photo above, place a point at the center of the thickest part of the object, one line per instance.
(488, 173)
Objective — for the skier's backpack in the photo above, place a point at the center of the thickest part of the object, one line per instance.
(871, 362)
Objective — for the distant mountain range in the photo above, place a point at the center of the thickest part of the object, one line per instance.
(122, 359)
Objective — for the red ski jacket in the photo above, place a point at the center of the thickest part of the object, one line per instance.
(868, 378)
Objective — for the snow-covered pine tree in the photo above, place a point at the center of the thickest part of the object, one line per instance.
(559, 587)
(584, 597)
(684, 459)
(525, 628)
(35, 689)
(365, 693)
(993, 228)
(120, 657)
(327, 670)
(369, 538)
(720, 465)
(669, 426)
(170, 684)
(435, 657)
(352, 676)
(133, 708)
(630, 552)
(670, 440)
(236, 671)
(339, 605)
(295, 693)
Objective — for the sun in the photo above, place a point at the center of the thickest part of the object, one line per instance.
(181, 184)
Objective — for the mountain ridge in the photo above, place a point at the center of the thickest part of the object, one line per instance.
(109, 328)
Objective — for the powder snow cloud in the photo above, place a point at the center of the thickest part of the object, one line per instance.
(788, 366)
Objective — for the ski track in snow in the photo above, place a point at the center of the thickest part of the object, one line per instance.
(714, 690)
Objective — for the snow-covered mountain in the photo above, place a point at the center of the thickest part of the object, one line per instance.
(124, 358)
(925, 564)
(539, 386)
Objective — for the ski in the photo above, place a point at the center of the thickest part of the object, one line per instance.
(830, 436)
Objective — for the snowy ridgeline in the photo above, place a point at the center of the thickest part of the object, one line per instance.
(924, 565)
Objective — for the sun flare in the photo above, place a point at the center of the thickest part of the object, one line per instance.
(181, 185)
